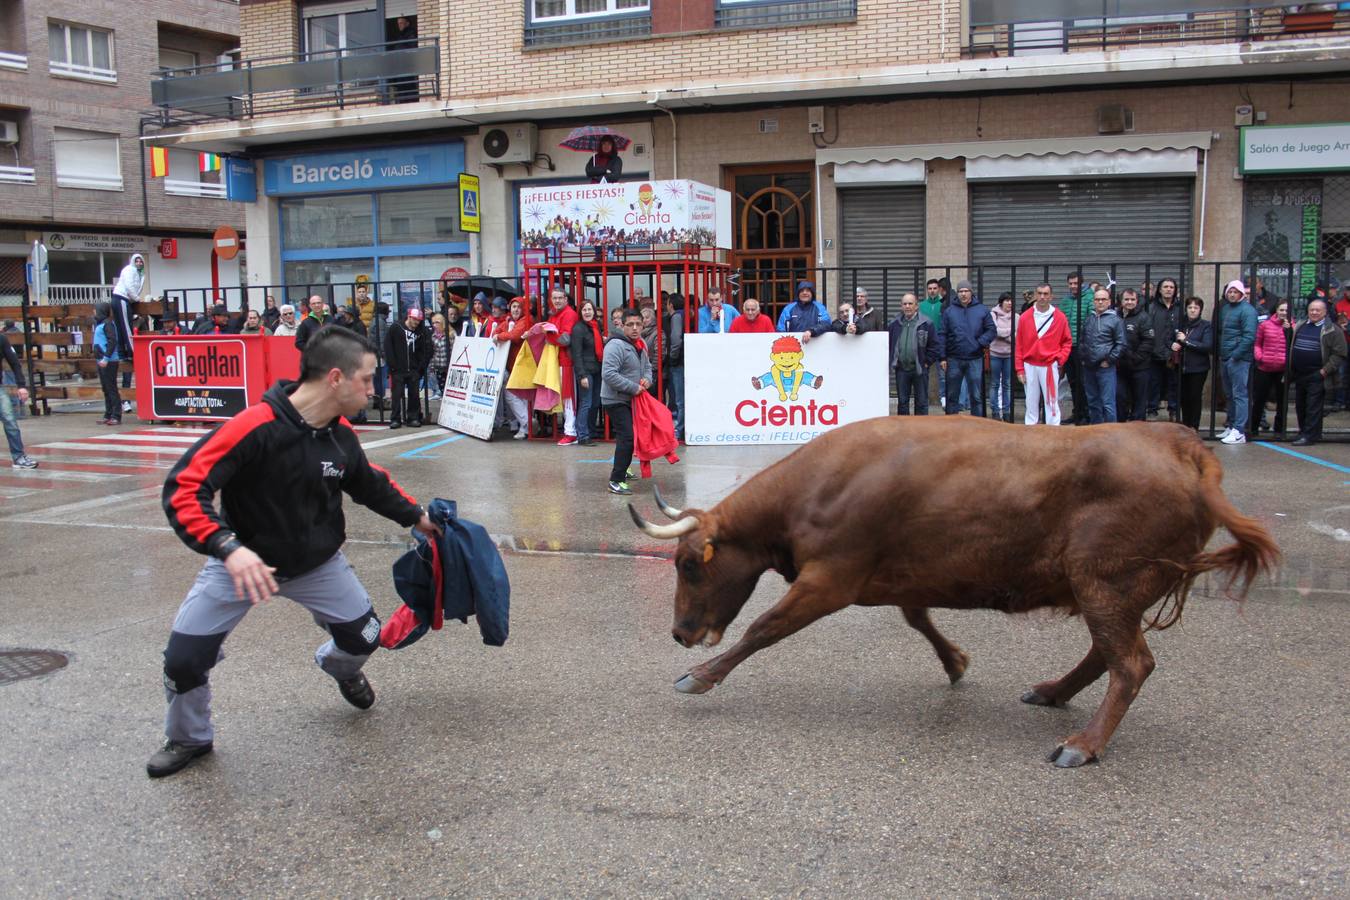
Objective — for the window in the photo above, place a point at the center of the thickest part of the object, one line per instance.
(774, 13)
(186, 178)
(343, 220)
(78, 51)
(330, 27)
(176, 59)
(87, 159)
(420, 217)
(567, 22)
(544, 10)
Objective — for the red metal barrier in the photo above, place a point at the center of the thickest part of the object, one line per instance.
(208, 377)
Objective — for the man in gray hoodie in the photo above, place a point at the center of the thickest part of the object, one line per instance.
(625, 372)
(1103, 343)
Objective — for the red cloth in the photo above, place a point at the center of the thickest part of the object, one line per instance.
(653, 432)
(762, 325)
(1053, 346)
(565, 319)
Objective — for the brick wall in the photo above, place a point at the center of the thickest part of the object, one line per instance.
(270, 28)
(106, 108)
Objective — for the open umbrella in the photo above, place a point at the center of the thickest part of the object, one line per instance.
(492, 287)
(587, 138)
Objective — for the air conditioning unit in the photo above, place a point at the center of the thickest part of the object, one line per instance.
(9, 132)
(516, 143)
(1114, 119)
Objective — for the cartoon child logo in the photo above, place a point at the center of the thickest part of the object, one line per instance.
(647, 202)
(787, 374)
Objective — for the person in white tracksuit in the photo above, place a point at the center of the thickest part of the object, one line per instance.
(127, 291)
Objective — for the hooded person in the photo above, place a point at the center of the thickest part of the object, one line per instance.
(108, 358)
(127, 290)
(807, 316)
(475, 324)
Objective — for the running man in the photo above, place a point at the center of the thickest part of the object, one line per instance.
(277, 535)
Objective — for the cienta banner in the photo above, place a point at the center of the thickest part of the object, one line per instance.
(772, 389)
(627, 213)
(472, 385)
(199, 377)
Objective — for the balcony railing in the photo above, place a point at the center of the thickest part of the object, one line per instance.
(78, 293)
(194, 188)
(1000, 27)
(17, 175)
(396, 72)
(16, 61)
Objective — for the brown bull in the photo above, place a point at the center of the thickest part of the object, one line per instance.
(1102, 522)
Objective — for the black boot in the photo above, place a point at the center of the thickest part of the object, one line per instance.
(172, 757)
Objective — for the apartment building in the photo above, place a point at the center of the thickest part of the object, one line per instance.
(74, 84)
(852, 134)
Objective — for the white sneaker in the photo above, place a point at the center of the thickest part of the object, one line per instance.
(1226, 432)
(126, 406)
(521, 435)
(1235, 437)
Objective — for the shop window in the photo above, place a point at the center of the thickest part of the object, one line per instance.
(419, 217)
(551, 22)
(777, 13)
(86, 159)
(315, 223)
(79, 51)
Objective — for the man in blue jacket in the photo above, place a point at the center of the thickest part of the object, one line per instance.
(806, 318)
(1237, 336)
(967, 331)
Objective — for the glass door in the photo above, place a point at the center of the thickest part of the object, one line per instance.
(773, 223)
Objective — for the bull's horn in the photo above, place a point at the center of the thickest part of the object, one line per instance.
(664, 532)
(666, 508)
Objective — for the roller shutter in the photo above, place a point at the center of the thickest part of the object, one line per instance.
(881, 228)
(1141, 226)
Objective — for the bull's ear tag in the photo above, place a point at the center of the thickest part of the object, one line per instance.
(707, 551)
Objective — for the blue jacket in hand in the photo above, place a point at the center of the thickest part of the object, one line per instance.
(464, 563)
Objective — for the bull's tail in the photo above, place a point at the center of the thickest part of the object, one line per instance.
(1253, 553)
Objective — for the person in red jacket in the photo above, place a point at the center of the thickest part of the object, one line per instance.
(1043, 347)
(513, 411)
(1271, 352)
(751, 321)
(565, 318)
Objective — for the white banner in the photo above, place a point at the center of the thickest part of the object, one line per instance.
(629, 212)
(472, 385)
(105, 243)
(771, 389)
(1294, 148)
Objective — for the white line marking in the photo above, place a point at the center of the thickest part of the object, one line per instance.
(16, 493)
(113, 448)
(61, 475)
(403, 439)
(83, 505)
(144, 438)
(59, 459)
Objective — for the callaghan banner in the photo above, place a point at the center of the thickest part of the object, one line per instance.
(198, 377)
(772, 389)
(630, 212)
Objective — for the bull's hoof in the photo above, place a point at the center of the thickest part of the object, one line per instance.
(1066, 757)
(1037, 699)
(692, 684)
(957, 667)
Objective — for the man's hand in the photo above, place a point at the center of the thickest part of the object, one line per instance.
(253, 579)
(644, 383)
(851, 329)
(1022, 377)
(943, 364)
(428, 527)
(585, 382)
(23, 395)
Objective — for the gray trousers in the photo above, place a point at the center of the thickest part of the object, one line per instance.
(332, 594)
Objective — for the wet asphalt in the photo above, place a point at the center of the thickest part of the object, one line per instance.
(838, 763)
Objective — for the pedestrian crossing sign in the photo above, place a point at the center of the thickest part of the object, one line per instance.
(468, 203)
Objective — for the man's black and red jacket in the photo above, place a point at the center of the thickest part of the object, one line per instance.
(281, 484)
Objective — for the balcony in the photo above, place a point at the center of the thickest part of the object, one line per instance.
(17, 62)
(17, 175)
(398, 72)
(1011, 28)
(180, 188)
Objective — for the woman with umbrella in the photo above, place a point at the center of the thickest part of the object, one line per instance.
(604, 146)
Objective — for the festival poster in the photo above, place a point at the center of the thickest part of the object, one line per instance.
(772, 389)
(473, 384)
(628, 213)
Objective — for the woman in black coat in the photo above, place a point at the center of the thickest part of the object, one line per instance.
(587, 350)
(1191, 347)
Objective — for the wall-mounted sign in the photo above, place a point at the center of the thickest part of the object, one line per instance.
(241, 180)
(1294, 148)
(95, 243)
(626, 213)
(365, 169)
(225, 242)
(468, 203)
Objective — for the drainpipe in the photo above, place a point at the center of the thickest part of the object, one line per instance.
(675, 135)
(145, 193)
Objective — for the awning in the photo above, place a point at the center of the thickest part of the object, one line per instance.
(894, 171)
(972, 150)
(1100, 164)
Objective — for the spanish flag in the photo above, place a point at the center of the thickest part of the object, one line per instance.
(159, 162)
(209, 162)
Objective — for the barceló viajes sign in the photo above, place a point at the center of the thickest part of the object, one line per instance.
(773, 389)
(382, 167)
